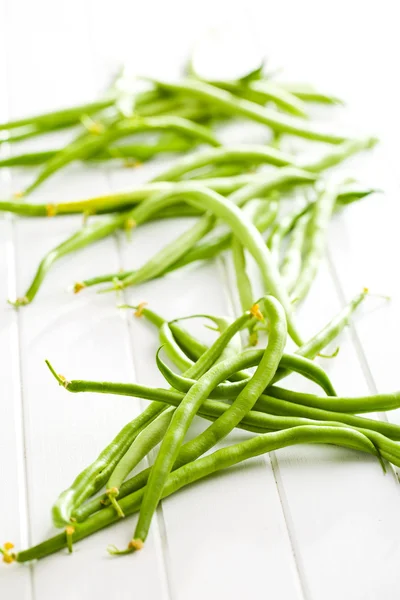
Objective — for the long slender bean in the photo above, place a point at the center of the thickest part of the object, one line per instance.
(309, 93)
(247, 153)
(264, 90)
(339, 153)
(138, 450)
(291, 264)
(243, 284)
(239, 106)
(315, 240)
(140, 152)
(158, 264)
(344, 404)
(82, 238)
(172, 349)
(66, 115)
(221, 459)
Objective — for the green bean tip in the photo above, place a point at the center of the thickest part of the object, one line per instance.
(23, 301)
(112, 494)
(8, 557)
(78, 286)
(60, 378)
(132, 547)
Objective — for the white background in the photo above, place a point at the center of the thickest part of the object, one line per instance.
(304, 524)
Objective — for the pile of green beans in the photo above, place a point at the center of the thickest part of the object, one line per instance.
(279, 417)
(238, 196)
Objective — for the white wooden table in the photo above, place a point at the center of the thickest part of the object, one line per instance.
(306, 523)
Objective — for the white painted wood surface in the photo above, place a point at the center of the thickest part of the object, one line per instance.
(307, 523)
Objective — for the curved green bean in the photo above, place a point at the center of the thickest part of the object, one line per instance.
(233, 105)
(344, 404)
(66, 115)
(262, 91)
(316, 240)
(309, 93)
(83, 237)
(243, 283)
(291, 264)
(243, 152)
(221, 459)
(146, 440)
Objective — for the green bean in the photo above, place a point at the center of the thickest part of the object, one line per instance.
(31, 159)
(243, 283)
(340, 153)
(245, 231)
(328, 333)
(220, 242)
(178, 211)
(82, 238)
(189, 344)
(170, 253)
(218, 460)
(205, 250)
(221, 170)
(260, 187)
(292, 362)
(138, 450)
(240, 153)
(347, 193)
(283, 407)
(172, 349)
(308, 93)
(123, 200)
(140, 152)
(66, 115)
(361, 404)
(353, 192)
(262, 91)
(189, 406)
(178, 124)
(283, 227)
(315, 240)
(83, 147)
(291, 264)
(242, 107)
